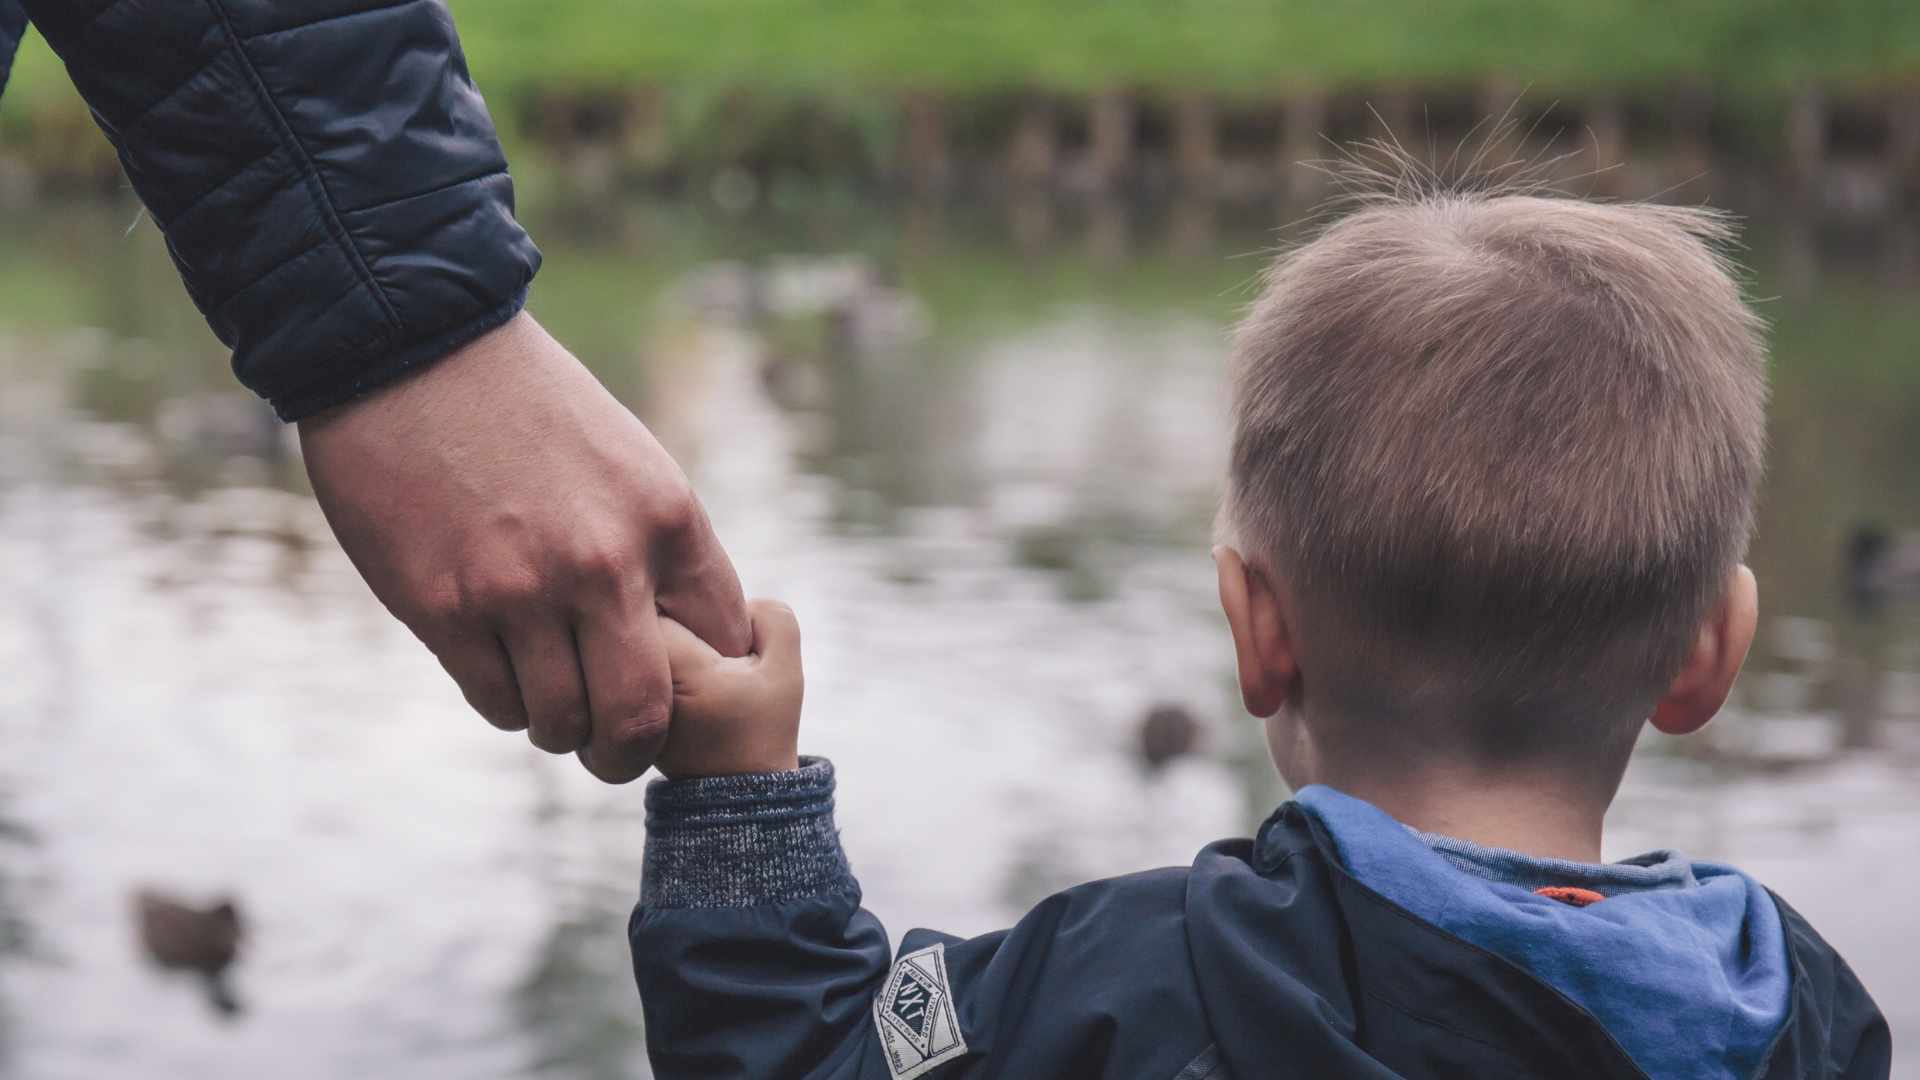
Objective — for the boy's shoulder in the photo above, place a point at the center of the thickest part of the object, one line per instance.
(1834, 1024)
(1117, 922)
(1094, 980)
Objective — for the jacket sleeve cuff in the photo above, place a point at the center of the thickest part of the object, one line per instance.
(377, 372)
(743, 841)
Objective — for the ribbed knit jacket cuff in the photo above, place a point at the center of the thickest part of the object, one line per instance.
(743, 841)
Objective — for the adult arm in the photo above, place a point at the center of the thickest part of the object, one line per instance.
(13, 24)
(332, 191)
(325, 172)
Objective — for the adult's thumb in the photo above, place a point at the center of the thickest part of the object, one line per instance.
(699, 589)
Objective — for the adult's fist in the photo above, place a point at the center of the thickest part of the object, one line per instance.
(529, 529)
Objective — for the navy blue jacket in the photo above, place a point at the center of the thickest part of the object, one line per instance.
(325, 172)
(1265, 958)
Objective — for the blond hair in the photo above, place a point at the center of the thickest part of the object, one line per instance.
(1502, 450)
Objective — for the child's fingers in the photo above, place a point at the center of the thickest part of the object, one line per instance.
(686, 653)
(776, 636)
(776, 648)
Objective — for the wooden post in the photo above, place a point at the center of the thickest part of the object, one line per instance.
(1499, 134)
(1806, 137)
(1110, 124)
(924, 145)
(1033, 151)
(1903, 140)
(1303, 118)
(1692, 111)
(1196, 143)
(1607, 137)
(646, 144)
(1393, 120)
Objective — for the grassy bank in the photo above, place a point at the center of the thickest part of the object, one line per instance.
(815, 86)
(1229, 46)
(1220, 45)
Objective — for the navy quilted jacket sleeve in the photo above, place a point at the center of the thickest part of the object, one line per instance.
(325, 172)
(13, 23)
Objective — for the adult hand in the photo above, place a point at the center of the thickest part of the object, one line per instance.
(528, 529)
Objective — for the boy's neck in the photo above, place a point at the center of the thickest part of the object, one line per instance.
(1517, 811)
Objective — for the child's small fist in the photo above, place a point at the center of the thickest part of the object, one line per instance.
(735, 715)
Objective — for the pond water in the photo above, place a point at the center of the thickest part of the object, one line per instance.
(985, 482)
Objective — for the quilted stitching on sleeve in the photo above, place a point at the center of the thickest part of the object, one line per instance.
(325, 171)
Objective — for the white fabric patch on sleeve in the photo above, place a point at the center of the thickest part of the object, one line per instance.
(914, 1013)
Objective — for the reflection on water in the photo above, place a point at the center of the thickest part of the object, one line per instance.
(15, 942)
(979, 459)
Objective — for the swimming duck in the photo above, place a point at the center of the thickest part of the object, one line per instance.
(179, 936)
(1167, 732)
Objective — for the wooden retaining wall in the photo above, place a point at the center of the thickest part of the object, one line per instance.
(1856, 153)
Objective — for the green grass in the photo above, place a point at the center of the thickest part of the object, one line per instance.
(1231, 46)
(1226, 45)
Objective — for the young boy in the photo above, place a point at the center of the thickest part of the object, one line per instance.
(1493, 473)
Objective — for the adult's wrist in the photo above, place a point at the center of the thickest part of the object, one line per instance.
(396, 365)
(469, 364)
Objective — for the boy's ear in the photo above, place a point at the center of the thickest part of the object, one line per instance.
(1706, 677)
(1262, 645)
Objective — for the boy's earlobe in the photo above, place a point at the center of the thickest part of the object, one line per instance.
(1262, 650)
(1719, 649)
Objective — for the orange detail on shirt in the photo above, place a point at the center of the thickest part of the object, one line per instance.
(1568, 894)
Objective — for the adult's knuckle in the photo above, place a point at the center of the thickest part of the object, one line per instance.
(499, 593)
(437, 605)
(603, 565)
(675, 511)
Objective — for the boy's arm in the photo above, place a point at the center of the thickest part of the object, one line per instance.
(750, 948)
(755, 959)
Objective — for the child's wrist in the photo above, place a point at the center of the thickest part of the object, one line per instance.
(760, 763)
(737, 763)
(744, 841)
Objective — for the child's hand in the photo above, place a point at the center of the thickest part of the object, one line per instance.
(735, 715)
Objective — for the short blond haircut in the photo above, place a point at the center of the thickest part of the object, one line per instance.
(1502, 451)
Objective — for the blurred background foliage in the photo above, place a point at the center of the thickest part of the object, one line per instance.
(739, 72)
(1225, 45)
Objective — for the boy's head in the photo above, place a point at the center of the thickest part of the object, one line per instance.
(1493, 474)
